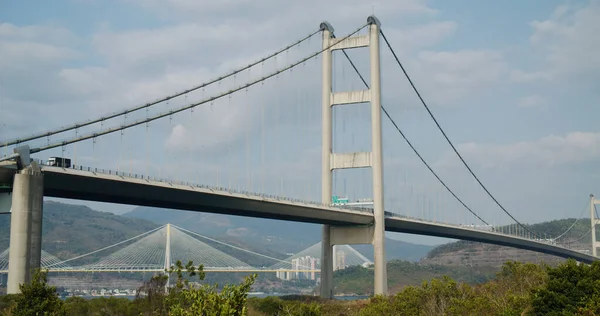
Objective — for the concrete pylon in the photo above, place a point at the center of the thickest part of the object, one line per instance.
(168, 262)
(327, 140)
(594, 222)
(25, 247)
(377, 160)
(374, 234)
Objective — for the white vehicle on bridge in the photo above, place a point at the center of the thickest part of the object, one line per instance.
(59, 162)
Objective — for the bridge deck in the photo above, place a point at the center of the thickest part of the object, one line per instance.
(96, 186)
(101, 187)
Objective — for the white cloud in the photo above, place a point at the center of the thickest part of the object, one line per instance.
(284, 12)
(406, 39)
(532, 101)
(38, 44)
(568, 42)
(447, 76)
(549, 151)
(43, 33)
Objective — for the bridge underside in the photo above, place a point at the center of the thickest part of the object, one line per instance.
(83, 185)
(401, 225)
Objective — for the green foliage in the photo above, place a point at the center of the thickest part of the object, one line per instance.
(359, 280)
(518, 289)
(38, 298)
(571, 288)
(295, 305)
(270, 305)
(186, 299)
(151, 295)
(449, 247)
(7, 304)
(207, 300)
(77, 306)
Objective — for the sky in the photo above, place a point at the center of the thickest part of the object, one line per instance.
(514, 84)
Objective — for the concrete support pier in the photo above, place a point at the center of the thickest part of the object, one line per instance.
(377, 160)
(327, 140)
(25, 247)
(326, 263)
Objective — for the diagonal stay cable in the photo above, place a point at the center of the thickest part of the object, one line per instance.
(171, 112)
(108, 247)
(587, 233)
(411, 145)
(147, 105)
(578, 239)
(448, 139)
(575, 222)
(231, 246)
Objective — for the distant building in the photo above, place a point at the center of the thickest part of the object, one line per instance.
(283, 275)
(340, 260)
(306, 263)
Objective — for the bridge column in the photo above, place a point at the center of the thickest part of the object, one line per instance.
(377, 162)
(326, 185)
(374, 159)
(594, 222)
(25, 247)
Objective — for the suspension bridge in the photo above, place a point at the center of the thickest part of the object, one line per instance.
(253, 150)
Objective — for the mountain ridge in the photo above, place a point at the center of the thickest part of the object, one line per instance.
(479, 254)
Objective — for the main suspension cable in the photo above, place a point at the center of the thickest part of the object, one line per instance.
(147, 105)
(171, 112)
(448, 139)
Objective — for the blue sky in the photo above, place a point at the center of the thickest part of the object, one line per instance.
(515, 85)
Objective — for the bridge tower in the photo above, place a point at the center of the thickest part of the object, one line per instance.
(374, 234)
(594, 222)
(26, 221)
(168, 262)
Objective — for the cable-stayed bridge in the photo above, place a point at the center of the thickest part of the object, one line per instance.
(247, 144)
(158, 249)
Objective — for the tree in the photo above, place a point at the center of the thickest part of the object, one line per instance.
(150, 297)
(571, 289)
(185, 299)
(38, 298)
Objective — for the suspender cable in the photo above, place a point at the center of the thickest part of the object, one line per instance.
(147, 105)
(448, 139)
(413, 148)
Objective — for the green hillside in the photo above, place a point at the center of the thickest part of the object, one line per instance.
(71, 230)
(359, 280)
(578, 236)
